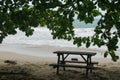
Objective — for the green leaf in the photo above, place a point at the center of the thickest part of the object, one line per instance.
(59, 17)
(29, 32)
(106, 54)
(88, 42)
(8, 2)
(117, 57)
(96, 13)
(114, 57)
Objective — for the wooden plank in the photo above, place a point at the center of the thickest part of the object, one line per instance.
(79, 62)
(68, 65)
(75, 53)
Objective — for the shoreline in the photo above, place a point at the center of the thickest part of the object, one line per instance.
(37, 67)
(45, 50)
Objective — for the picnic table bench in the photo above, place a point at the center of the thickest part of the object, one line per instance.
(62, 62)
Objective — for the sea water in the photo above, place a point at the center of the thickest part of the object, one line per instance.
(42, 36)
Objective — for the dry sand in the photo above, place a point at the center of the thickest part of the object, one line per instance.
(14, 66)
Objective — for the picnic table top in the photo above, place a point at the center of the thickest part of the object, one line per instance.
(75, 53)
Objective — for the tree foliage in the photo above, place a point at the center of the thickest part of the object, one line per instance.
(59, 15)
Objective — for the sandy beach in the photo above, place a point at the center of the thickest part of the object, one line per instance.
(16, 65)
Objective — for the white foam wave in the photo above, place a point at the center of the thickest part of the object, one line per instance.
(42, 36)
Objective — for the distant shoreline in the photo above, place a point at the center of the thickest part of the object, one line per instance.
(45, 50)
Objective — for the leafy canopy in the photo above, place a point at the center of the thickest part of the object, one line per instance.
(58, 16)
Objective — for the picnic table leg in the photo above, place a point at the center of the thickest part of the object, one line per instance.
(87, 67)
(63, 61)
(88, 64)
(58, 62)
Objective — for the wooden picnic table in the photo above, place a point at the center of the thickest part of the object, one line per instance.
(86, 56)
